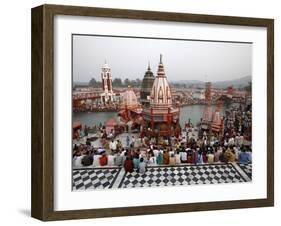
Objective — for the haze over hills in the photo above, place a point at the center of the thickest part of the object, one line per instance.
(237, 83)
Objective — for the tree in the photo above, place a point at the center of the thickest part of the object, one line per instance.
(133, 83)
(93, 82)
(117, 82)
(127, 82)
(138, 82)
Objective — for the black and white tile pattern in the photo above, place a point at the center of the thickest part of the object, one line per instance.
(183, 175)
(247, 168)
(94, 178)
(158, 176)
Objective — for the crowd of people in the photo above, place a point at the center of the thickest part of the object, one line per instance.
(183, 153)
(137, 153)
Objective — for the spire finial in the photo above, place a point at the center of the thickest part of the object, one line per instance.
(160, 58)
(104, 61)
(148, 68)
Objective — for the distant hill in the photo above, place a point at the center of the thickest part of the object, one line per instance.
(241, 82)
(237, 83)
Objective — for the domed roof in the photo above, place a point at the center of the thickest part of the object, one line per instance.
(129, 99)
(161, 91)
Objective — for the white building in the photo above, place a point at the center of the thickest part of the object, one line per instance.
(107, 94)
(199, 94)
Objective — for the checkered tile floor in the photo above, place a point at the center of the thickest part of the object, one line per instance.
(155, 176)
(182, 175)
(247, 168)
(97, 178)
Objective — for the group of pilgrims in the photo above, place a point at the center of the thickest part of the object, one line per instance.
(135, 153)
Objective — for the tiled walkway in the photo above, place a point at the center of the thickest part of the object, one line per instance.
(114, 178)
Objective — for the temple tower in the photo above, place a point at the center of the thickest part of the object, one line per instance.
(106, 78)
(207, 115)
(160, 96)
(146, 86)
(162, 119)
(217, 121)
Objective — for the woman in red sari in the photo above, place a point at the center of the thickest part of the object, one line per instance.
(129, 165)
(166, 158)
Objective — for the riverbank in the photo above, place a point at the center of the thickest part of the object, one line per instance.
(116, 109)
(192, 112)
(97, 110)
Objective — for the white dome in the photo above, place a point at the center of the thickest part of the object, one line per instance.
(129, 98)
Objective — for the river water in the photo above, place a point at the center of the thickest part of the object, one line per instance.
(192, 112)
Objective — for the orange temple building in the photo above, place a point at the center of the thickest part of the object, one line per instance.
(130, 108)
(212, 121)
(207, 114)
(217, 121)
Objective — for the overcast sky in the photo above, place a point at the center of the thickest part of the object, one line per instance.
(182, 59)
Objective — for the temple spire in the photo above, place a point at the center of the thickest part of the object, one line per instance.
(161, 71)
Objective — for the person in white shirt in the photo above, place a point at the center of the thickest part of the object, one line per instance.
(142, 166)
(152, 160)
(96, 162)
(155, 152)
(110, 160)
(110, 135)
(119, 159)
(241, 140)
(205, 141)
(225, 143)
(113, 145)
(183, 156)
(133, 141)
(77, 161)
(237, 152)
(123, 152)
(231, 141)
(178, 158)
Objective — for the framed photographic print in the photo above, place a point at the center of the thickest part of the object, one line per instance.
(142, 112)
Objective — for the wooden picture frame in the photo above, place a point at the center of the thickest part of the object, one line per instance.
(42, 203)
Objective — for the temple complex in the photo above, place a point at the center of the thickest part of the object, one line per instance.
(161, 118)
(136, 125)
(107, 94)
(146, 87)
